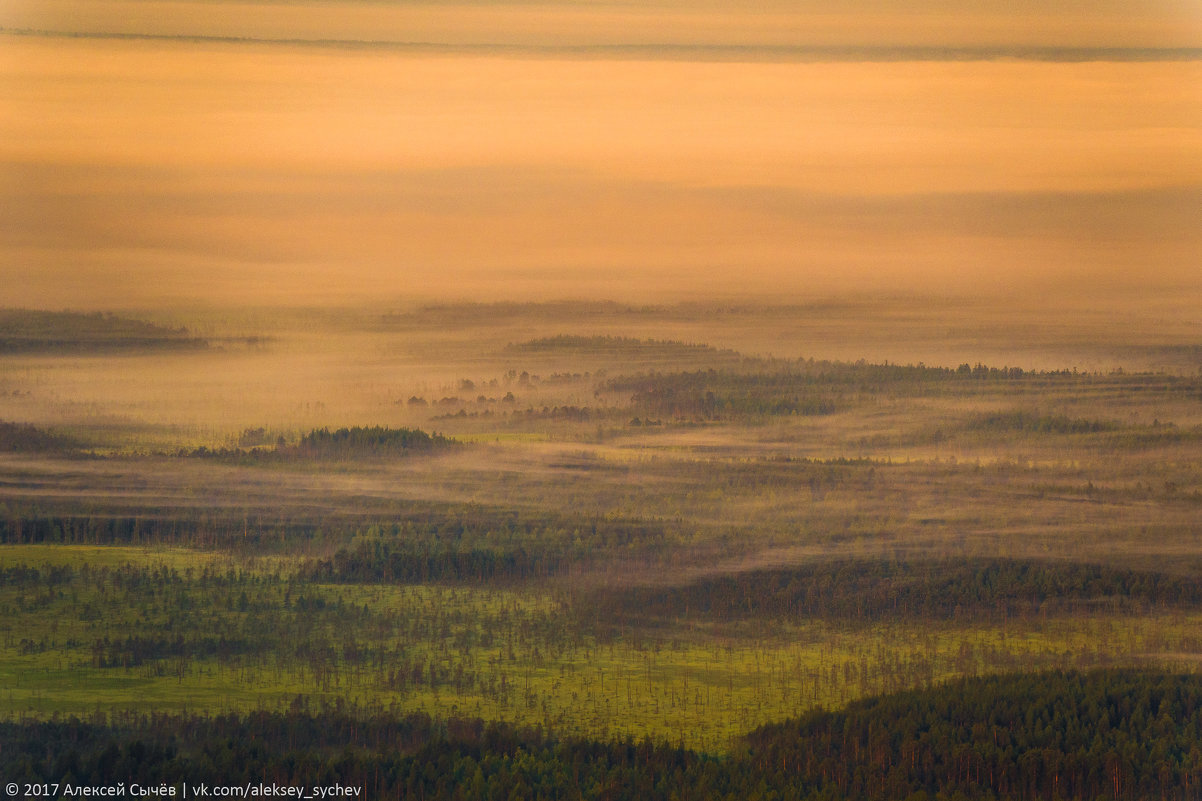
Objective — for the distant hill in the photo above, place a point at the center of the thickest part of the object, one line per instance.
(505, 312)
(29, 331)
(610, 345)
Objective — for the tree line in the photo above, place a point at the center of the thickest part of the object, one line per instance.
(868, 590)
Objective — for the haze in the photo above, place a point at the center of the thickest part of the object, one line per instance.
(162, 155)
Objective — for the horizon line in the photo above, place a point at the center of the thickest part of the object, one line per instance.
(667, 51)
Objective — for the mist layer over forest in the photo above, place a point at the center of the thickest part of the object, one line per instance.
(661, 521)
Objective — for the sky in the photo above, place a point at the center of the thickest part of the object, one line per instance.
(166, 154)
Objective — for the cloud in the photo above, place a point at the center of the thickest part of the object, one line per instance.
(667, 51)
(151, 236)
(149, 172)
(705, 23)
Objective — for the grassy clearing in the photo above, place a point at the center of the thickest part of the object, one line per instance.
(108, 556)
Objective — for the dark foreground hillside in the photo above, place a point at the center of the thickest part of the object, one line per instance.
(1104, 735)
(1101, 735)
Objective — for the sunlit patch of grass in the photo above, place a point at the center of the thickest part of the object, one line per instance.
(107, 556)
(463, 601)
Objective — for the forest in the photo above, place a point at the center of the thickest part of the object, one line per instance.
(1073, 736)
(595, 551)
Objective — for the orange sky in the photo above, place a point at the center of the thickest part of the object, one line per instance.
(166, 171)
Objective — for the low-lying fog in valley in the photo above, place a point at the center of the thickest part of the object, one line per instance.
(693, 412)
